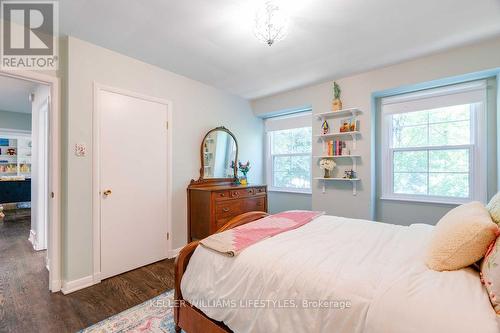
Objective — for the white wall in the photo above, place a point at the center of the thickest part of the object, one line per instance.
(281, 201)
(15, 120)
(356, 92)
(196, 109)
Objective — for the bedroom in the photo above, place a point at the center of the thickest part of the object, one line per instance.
(204, 67)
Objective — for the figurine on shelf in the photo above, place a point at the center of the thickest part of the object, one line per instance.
(344, 127)
(11, 151)
(350, 174)
(327, 165)
(325, 127)
(337, 103)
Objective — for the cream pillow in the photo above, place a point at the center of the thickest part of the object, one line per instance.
(461, 237)
(494, 208)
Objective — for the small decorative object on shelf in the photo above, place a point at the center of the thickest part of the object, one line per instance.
(328, 166)
(2, 215)
(244, 168)
(349, 125)
(350, 174)
(11, 151)
(337, 103)
(24, 168)
(325, 127)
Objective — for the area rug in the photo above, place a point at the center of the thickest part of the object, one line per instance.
(155, 315)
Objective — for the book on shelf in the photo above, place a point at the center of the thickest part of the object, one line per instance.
(337, 148)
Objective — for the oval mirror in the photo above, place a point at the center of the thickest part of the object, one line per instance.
(219, 153)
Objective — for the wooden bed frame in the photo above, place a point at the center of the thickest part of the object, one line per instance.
(186, 316)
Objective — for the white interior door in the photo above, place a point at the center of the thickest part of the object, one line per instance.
(133, 182)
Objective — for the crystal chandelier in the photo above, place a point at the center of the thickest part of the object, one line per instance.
(271, 23)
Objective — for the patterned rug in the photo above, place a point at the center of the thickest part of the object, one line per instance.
(155, 315)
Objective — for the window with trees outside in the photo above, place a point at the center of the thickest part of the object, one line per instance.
(434, 144)
(289, 141)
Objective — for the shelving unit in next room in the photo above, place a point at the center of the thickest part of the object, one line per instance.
(15, 155)
(324, 138)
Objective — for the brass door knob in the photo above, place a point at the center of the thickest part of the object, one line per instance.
(107, 192)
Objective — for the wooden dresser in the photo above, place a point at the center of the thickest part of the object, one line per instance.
(211, 205)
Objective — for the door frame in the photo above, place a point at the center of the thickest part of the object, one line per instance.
(54, 171)
(96, 196)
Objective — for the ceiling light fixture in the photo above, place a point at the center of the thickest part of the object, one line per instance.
(271, 23)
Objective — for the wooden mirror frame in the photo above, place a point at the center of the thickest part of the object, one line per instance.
(202, 178)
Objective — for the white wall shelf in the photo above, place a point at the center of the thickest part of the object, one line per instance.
(337, 156)
(336, 134)
(354, 182)
(352, 134)
(337, 179)
(354, 161)
(353, 112)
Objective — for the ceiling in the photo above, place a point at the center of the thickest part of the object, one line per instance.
(212, 41)
(14, 94)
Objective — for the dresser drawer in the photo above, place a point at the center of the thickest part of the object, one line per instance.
(211, 206)
(228, 209)
(255, 204)
(242, 193)
(221, 195)
(260, 190)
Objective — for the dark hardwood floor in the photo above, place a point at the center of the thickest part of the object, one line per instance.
(26, 305)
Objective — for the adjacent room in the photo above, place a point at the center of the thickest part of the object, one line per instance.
(250, 166)
(24, 223)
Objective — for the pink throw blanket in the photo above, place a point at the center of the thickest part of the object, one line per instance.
(233, 241)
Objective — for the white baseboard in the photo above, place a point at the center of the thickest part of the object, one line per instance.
(32, 239)
(174, 253)
(55, 286)
(97, 277)
(71, 286)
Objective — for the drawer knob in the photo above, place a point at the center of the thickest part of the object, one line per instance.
(225, 209)
(222, 194)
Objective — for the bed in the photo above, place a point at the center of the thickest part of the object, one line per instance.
(332, 275)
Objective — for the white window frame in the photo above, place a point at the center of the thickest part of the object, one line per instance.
(299, 120)
(477, 156)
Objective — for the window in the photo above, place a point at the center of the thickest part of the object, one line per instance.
(433, 145)
(289, 153)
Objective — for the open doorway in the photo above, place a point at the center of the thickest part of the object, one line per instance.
(29, 220)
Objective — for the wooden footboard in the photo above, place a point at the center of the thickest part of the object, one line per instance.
(186, 316)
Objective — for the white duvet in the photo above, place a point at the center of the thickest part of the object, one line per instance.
(338, 275)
